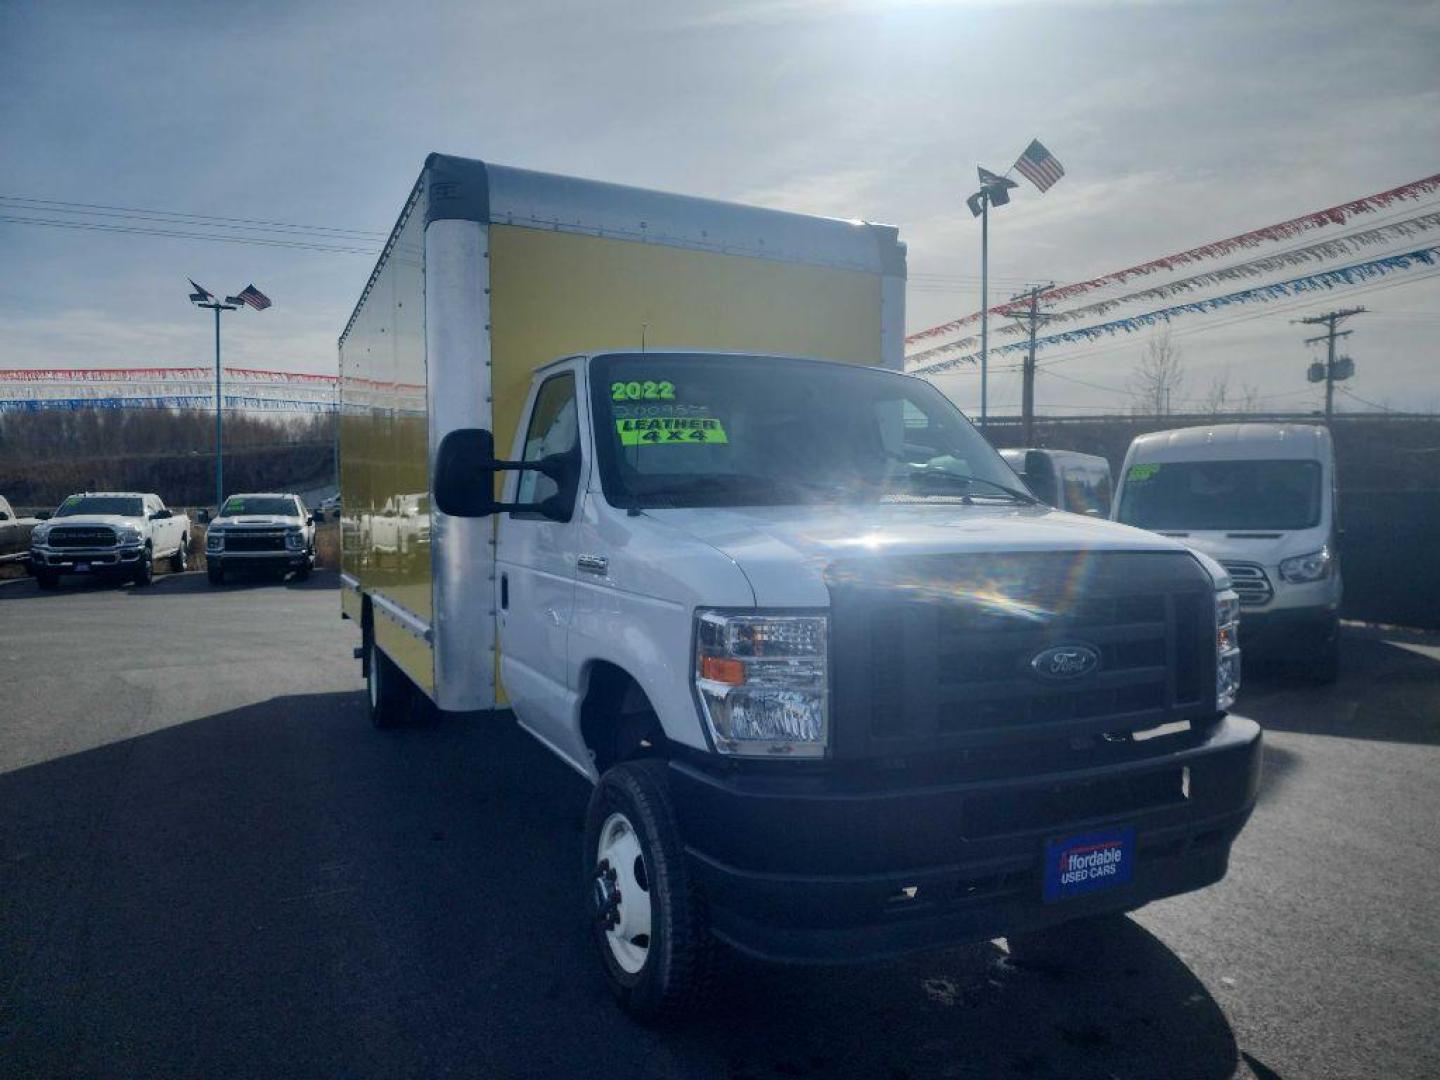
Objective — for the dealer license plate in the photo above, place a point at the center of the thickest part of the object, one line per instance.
(1087, 863)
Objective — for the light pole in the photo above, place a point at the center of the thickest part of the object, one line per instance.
(204, 298)
(994, 190)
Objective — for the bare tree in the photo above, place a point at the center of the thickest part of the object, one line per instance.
(1158, 378)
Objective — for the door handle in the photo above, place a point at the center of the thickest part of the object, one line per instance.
(593, 564)
(504, 592)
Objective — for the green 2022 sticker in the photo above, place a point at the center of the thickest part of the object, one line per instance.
(642, 391)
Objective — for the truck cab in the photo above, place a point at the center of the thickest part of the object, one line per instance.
(1260, 499)
(1065, 479)
(842, 687)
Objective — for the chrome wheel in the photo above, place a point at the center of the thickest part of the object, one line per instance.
(622, 893)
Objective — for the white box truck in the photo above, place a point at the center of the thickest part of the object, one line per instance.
(843, 689)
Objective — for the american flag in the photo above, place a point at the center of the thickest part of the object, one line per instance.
(201, 293)
(254, 297)
(1039, 166)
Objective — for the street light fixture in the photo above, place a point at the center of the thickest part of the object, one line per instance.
(204, 298)
(994, 191)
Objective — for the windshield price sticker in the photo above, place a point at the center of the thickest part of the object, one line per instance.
(671, 431)
(1140, 473)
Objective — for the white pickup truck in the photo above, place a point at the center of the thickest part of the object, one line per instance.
(271, 532)
(114, 533)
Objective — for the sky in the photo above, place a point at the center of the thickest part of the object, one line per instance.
(1177, 124)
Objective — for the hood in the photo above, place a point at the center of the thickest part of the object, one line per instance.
(785, 550)
(1264, 546)
(258, 520)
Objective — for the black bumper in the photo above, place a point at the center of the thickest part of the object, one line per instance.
(805, 871)
(276, 562)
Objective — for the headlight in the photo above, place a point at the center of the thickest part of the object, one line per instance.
(295, 541)
(214, 540)
(1302, 568)
(40, 535)
(129, 535)
(763, 682)
(1227, 649)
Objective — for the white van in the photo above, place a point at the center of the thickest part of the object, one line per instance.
(1260, 498)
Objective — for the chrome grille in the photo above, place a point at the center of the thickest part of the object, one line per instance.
(1250, 582)
(934, 652)
(81, 536)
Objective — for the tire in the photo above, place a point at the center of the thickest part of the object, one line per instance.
(658, 956)
(145, 572)
(1068, 946)
(46, 581)
(387, 689)
(1324, 669)
(215, 572)
(302, 572)
(180, 561)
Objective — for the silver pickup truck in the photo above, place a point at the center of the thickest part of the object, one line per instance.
(114, 533)
(269, 531)
(14, 533)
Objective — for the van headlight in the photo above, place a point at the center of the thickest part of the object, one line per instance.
(763, 683)
(1303, 568)
(1227, 649)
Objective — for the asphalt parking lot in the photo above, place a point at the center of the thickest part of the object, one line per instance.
(211, 866)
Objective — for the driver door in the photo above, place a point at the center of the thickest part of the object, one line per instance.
(535, 562)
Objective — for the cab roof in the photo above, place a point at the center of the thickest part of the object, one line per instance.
(1233, 442)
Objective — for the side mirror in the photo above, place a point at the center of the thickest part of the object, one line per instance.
(464, 481)
(203, 516)
(43, 515)
(310, 520)
(4, 516)
(160, 515)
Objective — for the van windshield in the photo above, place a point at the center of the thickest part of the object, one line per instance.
(1222, 495)
(744, 431)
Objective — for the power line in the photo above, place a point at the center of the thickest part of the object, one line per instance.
(95, 226)
(368, 234)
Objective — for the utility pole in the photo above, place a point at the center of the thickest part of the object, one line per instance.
(204, 298)
(1330, 320)
(1027, 393)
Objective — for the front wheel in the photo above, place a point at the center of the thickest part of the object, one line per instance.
(647, 918)
(46, 580)
(302, 572)
(215, 572)
(180, 561)
(145, 572)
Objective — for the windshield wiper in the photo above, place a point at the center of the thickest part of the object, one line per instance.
(961, 478)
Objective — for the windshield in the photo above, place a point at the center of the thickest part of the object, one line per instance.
(271, 505)
(1222, 495)
(739, 430)
(120, 505)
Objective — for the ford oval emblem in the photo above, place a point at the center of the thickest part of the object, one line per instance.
(1061, 662)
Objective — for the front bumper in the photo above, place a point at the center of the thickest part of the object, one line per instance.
(814, 870)
(114, 560)
(258, 560)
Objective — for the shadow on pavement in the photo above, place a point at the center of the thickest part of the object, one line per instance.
(167, 584)
(280, 890)
(1389, 690)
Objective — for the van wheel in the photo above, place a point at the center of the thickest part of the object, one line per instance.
(1324, 669)
(647, 918)
(387, 690)
(180, 561)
